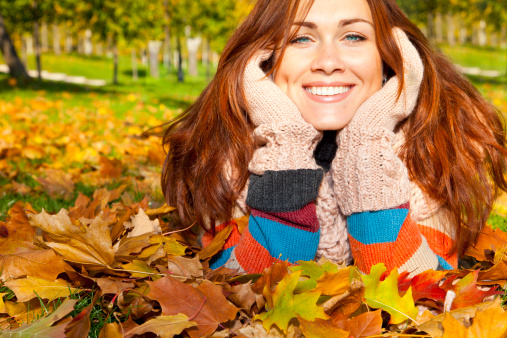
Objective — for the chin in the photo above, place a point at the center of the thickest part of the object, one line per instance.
(325, 124)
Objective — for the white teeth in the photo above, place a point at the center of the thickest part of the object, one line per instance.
(327, 91)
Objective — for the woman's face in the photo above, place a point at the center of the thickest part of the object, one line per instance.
(332, 65)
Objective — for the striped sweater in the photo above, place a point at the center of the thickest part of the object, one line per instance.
(284, 225)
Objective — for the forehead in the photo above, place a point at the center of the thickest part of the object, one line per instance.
(335, 10)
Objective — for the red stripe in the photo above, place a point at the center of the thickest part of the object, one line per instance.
(304, 218)
(252, 256)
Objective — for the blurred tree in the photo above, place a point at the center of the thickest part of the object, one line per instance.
(16, 68)
(25, 16)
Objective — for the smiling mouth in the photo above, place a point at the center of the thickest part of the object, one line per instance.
(327, 91)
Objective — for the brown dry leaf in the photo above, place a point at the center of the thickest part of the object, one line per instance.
(365, 325)
(334, 283)
(57, 183)
(16, 234)
(31, 287)
(91, 245)
(163, 210)
(216, 244)
(206, 302)
(321, 328)
(184, 267)
(109, 285)
(139, 269)
(489, 240)
(130, 245)
(434, 325)
(111, 330)
(243, 296)
(141, 224)
(242, 223)
(20, 188)
(110, 168)
(43, 264)
(342, 306)
(32, 153)
(497, 274)
(164, 326)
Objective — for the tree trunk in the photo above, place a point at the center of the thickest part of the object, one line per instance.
(153, 50)
(167, 38)
(135, 75)
(181, 77)
(68, 42)
(56, 39)
(431, 27)
(463, 32)
(88, 46)
(115, 61)
(36, 37)
(24, 55)
(16, 68)
(208, 61)
(44, 40)
(450, 30)
(192, 48)
(482, 37)
(439, 28)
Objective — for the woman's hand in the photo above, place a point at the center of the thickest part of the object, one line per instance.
(368, 174)
(266, 101)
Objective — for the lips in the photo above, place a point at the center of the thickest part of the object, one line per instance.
(328, 92)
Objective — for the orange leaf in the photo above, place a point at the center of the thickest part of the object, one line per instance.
(489, 240)
(321, 328)
(364, 325)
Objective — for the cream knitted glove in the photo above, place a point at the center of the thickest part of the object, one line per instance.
(287, 140)
(367, 173)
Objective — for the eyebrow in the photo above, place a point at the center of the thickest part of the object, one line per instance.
(342, 23)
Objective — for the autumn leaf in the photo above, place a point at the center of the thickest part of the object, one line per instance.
(139, 269)
(365, 325)
(43, 264)
(334, 283)
(164, 326)
(43, 327)
(216, 244)
(91, 245)
(488, 240)
(80, 325)
(130, 245)
(491, 323)
(184, 267)
(16, 235)
(313, 271)
(141, 224)
(467, 293)
(111, 330)
(171, 245)
(425, 285)
(31, 287)
(109, 285)
(163, 210)
(57, 183)
(321, 328)
(287, 305)
(384, 295)
(206, 304)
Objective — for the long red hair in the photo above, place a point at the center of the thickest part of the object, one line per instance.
(455, 141)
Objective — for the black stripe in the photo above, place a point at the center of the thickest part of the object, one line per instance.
(284, 191)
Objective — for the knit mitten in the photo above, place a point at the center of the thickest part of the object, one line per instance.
(371, 181)
(284, 181)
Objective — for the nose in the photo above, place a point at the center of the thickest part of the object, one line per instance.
(328, 59)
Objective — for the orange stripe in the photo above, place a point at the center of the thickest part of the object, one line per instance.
(440, 243)
(231, 241)
(252, 256)
(394, 254)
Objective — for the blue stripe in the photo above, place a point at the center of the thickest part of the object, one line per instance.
(445, 265)
(373, 227)
(220, 258)
(284, 242)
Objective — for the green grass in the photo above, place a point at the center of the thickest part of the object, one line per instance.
(486, 58)
(165, 90)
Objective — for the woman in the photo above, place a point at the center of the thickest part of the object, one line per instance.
(346, 133)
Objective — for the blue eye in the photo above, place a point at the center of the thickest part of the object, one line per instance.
(355, 38)
(301, 39)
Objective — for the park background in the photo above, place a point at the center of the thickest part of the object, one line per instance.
(89, 78)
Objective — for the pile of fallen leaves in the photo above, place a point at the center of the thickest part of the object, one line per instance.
(154, 278)
(126, 254)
